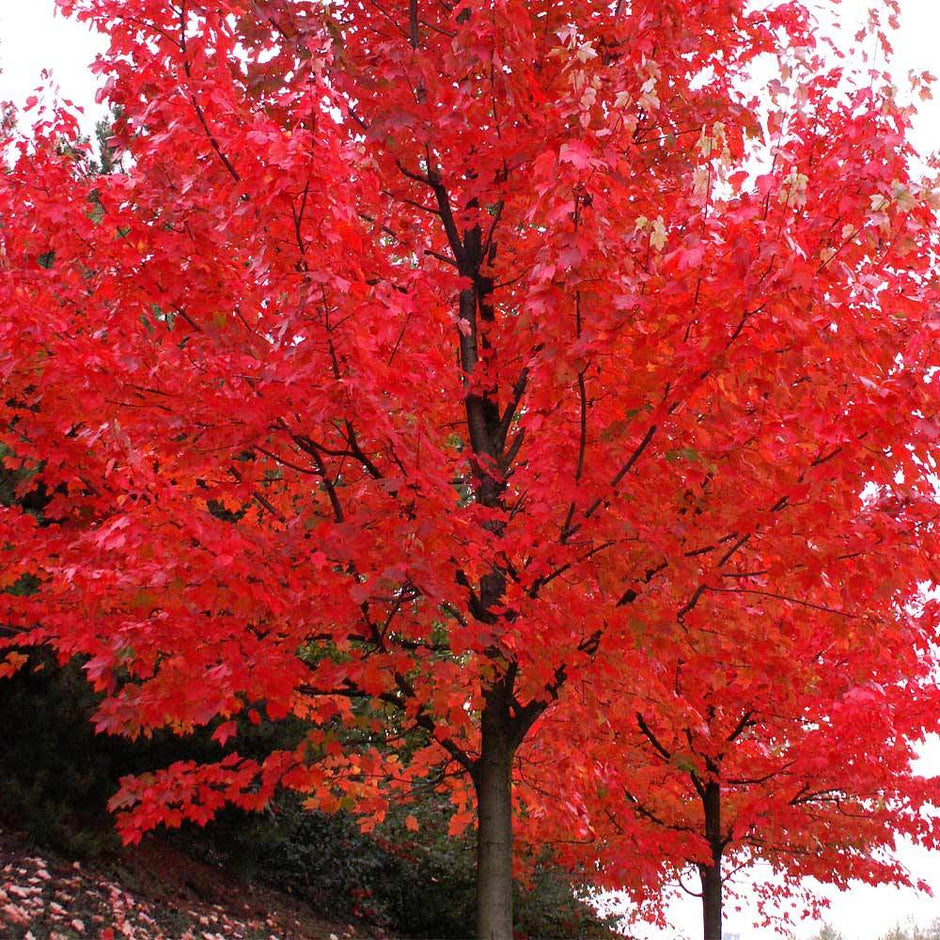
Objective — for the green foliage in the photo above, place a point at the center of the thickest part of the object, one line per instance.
(55, 777)
(104, 132)
(421, 884)
(21, 485)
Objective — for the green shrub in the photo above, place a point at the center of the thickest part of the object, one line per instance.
(55, 775)
(421, 884)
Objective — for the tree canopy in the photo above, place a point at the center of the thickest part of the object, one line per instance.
(509, 373)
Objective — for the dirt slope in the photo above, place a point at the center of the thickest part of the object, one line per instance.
(149, 892)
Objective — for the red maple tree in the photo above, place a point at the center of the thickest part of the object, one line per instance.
(429, 356)
(770, 734)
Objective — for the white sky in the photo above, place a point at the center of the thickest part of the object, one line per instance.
(32, 38)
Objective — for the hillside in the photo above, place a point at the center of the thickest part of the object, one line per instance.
(150, 892)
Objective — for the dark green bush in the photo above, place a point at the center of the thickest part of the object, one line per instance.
(55, 775)
(421, 884)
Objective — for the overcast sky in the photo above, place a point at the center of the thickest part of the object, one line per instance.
(33, 38)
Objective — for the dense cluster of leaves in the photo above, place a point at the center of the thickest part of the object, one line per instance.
(504, 373)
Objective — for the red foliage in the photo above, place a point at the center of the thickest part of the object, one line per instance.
(457, 360)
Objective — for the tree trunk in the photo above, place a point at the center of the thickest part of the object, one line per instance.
(500, 732)
(711, 900)
(711, 874)
(493, 781)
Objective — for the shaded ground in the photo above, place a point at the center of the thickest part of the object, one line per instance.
(152, 891)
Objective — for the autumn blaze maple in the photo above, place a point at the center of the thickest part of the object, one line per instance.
(793, 746)
(434, 361)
